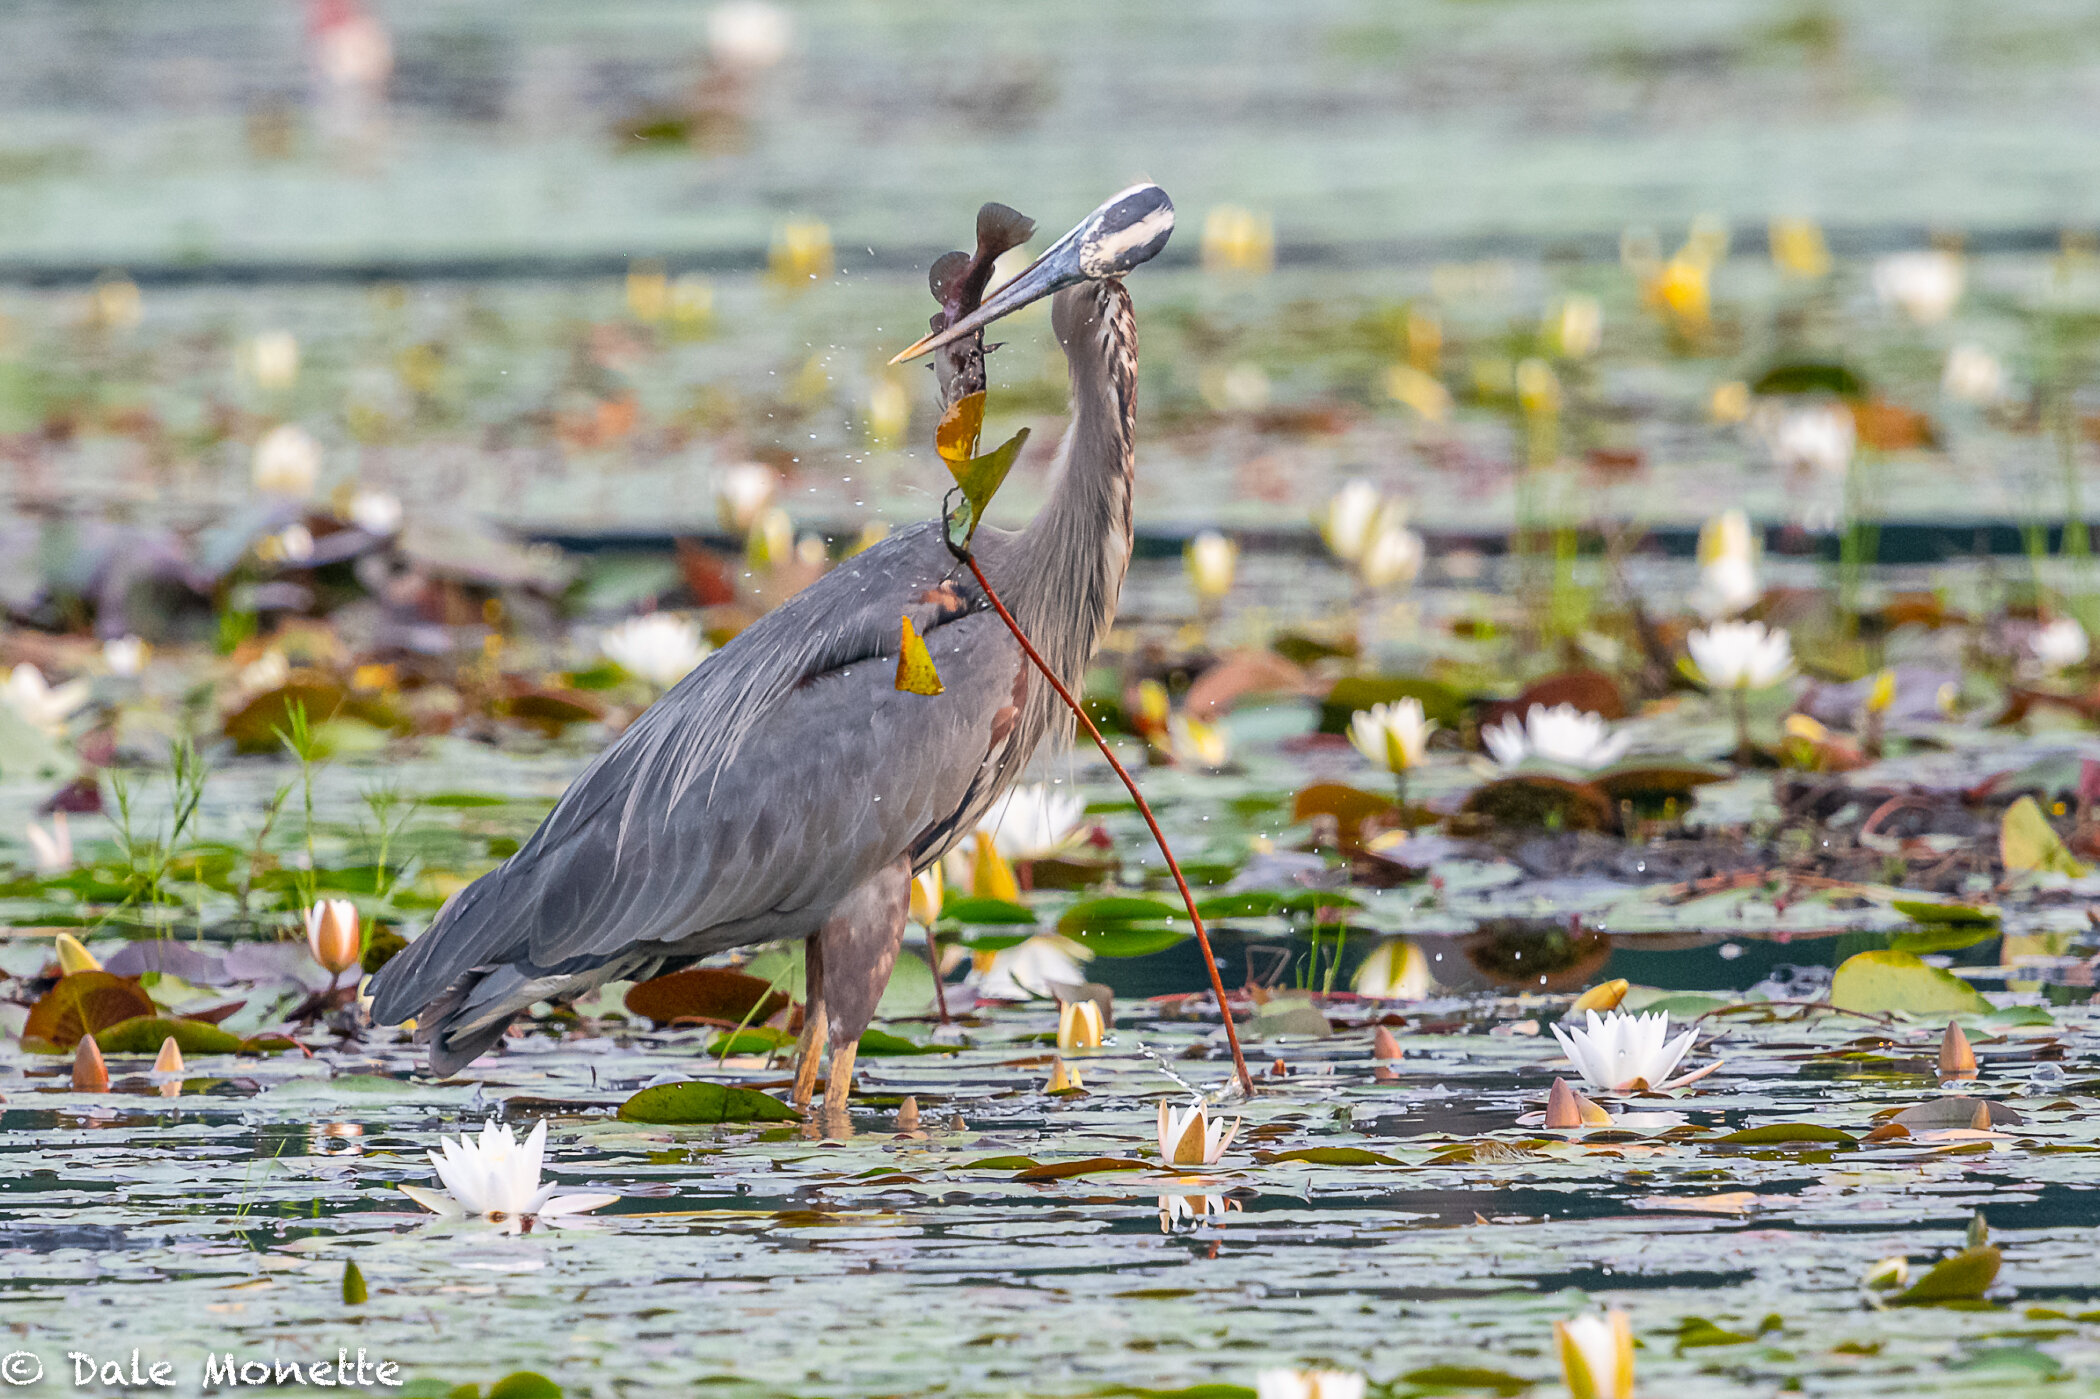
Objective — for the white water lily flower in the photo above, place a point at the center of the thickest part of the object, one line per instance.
(53, 849)
(1727, 565)
(1741, 655)
(125, 655)
(375, 512)
(749, 35)
(1308, 1384)
(1973, 375)
(1579, 326)
(287, 461)
(1033, 969)
(1395, 970)
(1726, 587)
(40, 704)
(657, 647)
(1615, 1050)
(1211, 560)
(744, 491)
(1350, 518)
(1562, 734)
(1173, 1209)
(1923, 285)
(269, 671)
(1596, 1355)
(498, 1177)
(1191, 1137)
(1194, 743)
(294, 544)
(272, 359)
(1393, 556)
(1394, 736)
(1034, 821)
(1819, 438)
(2059, 645)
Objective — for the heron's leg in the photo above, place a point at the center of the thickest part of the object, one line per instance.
(810, 1048)
(860, 942)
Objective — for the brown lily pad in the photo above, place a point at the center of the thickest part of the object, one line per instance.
(710, 995)
(1542, 799)
(84, 1003)
(1955, 1111)
(1351, 808)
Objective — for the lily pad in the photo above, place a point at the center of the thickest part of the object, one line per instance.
(80, 1004)
(1788, 1133)
(712, 994)
(1962, 1278)
(146, 1033)
(697, 1103)
(1336, 1156)
(1877, 982)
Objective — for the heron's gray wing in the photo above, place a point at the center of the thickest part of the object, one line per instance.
(778, 775)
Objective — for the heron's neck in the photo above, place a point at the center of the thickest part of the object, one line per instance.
(1069, 567)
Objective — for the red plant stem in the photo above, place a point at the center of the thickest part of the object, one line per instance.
(1210, 961)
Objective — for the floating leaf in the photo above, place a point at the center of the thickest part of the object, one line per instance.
(1292, 1015)
(1120, 926)
(1787, 1133)
(1060, 1170)
(1351, 808)
(1956, 1112)
(1001, 1163)
(681, 1104)
(1336, 1156)
(1353, 692)
(1542, 799)
(1962, 1278)
(1941, 937)
(915, 672)
(1129, 940)
(1877, 982)
(524, 1384)
(354, 1294)
(881, 1043)
(80, 1004)
(759, 1039)
(145, 1034)
(1809, 376)
(2026, 841)
(715, 995)
(1466, 1379)
(1931, 911)
(995, 912)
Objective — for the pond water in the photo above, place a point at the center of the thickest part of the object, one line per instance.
(1432, 1252)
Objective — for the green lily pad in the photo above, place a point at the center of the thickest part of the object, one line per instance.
(990, 911)
(144, 1034)
(1336, 1156)
(883, 1044)
(1876, 982)
(697, 1103)
(1784, 1133)
(1962, 1278)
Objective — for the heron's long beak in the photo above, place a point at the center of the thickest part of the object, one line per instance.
(1053, 271)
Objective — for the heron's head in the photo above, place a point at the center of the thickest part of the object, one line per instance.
(1128, 230)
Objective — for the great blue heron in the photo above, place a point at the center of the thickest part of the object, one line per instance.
(787, 788)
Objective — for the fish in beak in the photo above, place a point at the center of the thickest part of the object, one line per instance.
(1127, 231)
